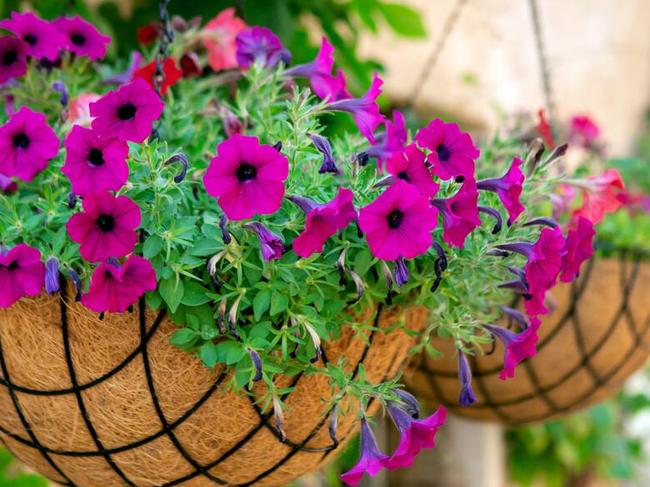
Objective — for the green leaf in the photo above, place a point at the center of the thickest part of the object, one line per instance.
(404, 20)
(279, 303)
(261, 303)
(230, 352)
(208, 354)
(183, 337)
(152, 246)
(171, 291)
(366, 10)
(195, 294)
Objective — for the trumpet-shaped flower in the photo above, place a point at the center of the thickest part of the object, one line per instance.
(21, 274)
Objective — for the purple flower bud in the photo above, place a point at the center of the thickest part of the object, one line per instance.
(390, 281)
(60, 88)
(543, 221)
(271, 245)
(223, 225)
(278, 146)
(232, 317)
(305, 204)
(494, 214)
(442, 258)
(324, 147)
(387, 181)
(516, 315)
(401, 272)
(467, 396)
(524, 248)
(72, 200)
(76, 280)
(52, 282)
(340, 265)
(411, 404)
(257, 362)
(182, 160)
(362, 158)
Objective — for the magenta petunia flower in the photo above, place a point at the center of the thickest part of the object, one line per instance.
(410, 166)
(579, 247)
(509, 188)
(371, 459)
(259, 44)
(415, 434)
(452, 151)
(128, 112)
(41, 38)
(7, 185)
(106, 227)
(323, 221)
(13, 58)
(247, 177)
(334, 88)
(390, 141)
(518, 346)
(459, 214)
(583, 131)
(27, 143)
(82, 38)
(115, 287)
(21, 274)
(318, 71)
(398, 223)
(271, 245)
(364, 110)
(94, 163)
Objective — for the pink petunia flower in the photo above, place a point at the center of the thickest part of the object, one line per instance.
(21, 274)
(27, 143)
(13, 58)
(259, 44)
(128, 112)
(518, 346)
(219, 36)
(323, 221)
(82, 38)
(41, 38)
(106, 227)
(601, 196)
(583, 131)
(115, 287)
(364, 110)
(409, 165)
(171, 72)
(371, 459)
(578, 248)
(391, 141)
(271, 245)
(399, 223)
(247, 177)
(415, 435)
(93, 162)
(318, 71)
(452, 151)
(459, 214)
(509, 188)
(79, 109)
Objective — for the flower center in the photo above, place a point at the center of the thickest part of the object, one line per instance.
(395, 218)
(78, 39)
(12, 267)
(21, 141)
(9, 58)
(460, 179)
(95, 157)
(126, 111)
(105, 222)
(30, 39)
(246, 172)
(443, 153)
(403, 175)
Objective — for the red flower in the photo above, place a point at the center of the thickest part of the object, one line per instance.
(148, 33)
(171, 74)
(544, 129)
(219, 36)
(601, 196)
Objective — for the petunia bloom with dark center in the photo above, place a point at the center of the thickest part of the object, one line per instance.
(40, 38)
(21, 274)
(13, 58)
(82, 38)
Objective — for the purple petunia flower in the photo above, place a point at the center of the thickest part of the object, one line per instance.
(509, 188)
(106, 227)
(371, 459)
(452, 151)
(246, 177)
(81, 37)
(51, 275)
(390, 141)
(459, 214)
(409, 166)
(128, 112)
(324, 147)
(271, 245)
(518, 346)
(115, 287)
(364, 110)
(41, 38)
(27, 143)
(13, 58)
(94, 163)
(467, 396)
(579, 247)
(21, 274)
(259, 44)
(401, 272)
(318, 71)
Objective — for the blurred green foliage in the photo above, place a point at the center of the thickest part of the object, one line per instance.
(11, 476)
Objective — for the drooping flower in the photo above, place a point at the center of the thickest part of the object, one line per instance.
(21, 274)
(41, 38)
(459, 214)
(115, 287)
(128, 112)
(106, 227)
(219, 38)
(508, 187)
(271, 245)
(518, 346)
(171, 74)
(261, 45)
(601, 195)
(398, 223)
(452, 151)
(323, 221)
(544, 129)
(247, 177)
(579, 247)
(52, 275)
(409, 165)
(324, 147)
(415, 434)
(82, 38)
(364, 110)
(13, 58)
(371, 459)
(27, 143)
(127, 75)
(390, 141)
(93, 162)
(79, 109)
(318, 71)
(467, 396)
(583, 131)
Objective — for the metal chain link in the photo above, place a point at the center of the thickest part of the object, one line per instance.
(166, 38)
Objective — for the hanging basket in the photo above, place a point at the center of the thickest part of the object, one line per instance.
(111, 403)
(595, 338)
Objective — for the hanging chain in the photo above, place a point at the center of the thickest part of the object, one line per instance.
(543, 64)
(438, 47)
(166, 38)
